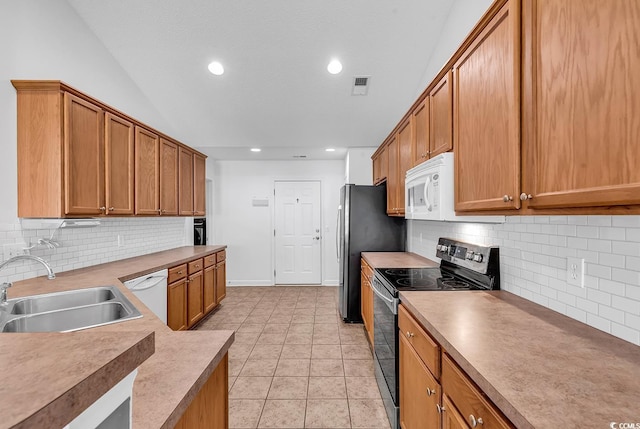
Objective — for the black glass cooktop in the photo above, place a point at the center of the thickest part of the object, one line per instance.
(424, 279)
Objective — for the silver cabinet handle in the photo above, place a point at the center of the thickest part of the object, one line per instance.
(111, 209)
(475, 422)
(409, 334)
(507, 198)
(102, 209)
(524, 197)
(440, 408)
(430, 392)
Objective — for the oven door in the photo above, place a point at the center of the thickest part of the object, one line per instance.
(385, 347)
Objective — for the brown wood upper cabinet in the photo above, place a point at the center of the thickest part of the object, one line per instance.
(80, 157)
(380, 165)
(441, 117)
(400, 160)
(581, 131)
(185, 169)
(487, 116)
(420, 132)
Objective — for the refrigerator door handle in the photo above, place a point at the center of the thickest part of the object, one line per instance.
(338, 234)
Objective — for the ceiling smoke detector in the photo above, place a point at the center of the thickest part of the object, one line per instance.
(360, 85)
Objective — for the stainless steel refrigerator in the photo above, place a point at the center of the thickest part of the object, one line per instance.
(363, 226)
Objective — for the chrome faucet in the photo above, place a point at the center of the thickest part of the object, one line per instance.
(4, 286)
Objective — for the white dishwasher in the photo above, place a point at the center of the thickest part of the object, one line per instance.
(151, 289)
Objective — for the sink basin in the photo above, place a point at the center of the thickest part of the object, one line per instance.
(67, 311)
(59, 301)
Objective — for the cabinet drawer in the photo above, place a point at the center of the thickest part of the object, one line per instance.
(195, 266)
(367, 270)
(427, 348)
(209, 260)
(177, 273)
(468, 399)
(221, 256)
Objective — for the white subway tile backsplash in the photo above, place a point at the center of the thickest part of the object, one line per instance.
(83, 247)
(533, 263)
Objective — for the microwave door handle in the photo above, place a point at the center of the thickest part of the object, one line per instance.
(426, 194)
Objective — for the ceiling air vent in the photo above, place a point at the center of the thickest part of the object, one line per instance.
(360, 85)
(300, 156)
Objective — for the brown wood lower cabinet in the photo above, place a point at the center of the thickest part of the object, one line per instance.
(366, 298)
(451, 418)
(190, 299)
(177, 305)
(210, 408)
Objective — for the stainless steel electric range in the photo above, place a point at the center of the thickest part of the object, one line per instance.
(463, 267)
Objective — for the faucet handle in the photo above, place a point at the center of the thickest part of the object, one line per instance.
(3, 291)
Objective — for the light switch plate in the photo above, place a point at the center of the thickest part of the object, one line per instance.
(575, 271)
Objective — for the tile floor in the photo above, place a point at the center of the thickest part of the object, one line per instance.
(294, 364)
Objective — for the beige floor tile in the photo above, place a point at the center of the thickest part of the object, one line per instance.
(326, 388)
(326, 329)
(325, 311)
(295, 338)
(358, 367)
(288, 388)
(235, 366)
(326, 368)
(350, 351)
(242, 337)
(251, 327)
(362, 388)
(326, 319)
(275, 328)
(257, 319)
(326, 339)
(231, 381)
(266, 351)
(301, 328)
(327, 413)
(259, 368)
(280, 319)
(307, 318)
(250, 388)
(296, 351)
(240, 351)
(293, 367)
(228, 326)
(283, 413)
(271, 338)
(244, 413)
(326, 351)
(368, 413)
(261, 312)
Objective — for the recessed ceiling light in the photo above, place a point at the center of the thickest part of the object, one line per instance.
(216, 68)
(255, 149)
(330, 149)
(334, 67)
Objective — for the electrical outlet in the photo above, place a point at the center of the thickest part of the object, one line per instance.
(575, 272)
(14, 249)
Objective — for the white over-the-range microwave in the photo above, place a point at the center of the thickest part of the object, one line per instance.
(429, 193)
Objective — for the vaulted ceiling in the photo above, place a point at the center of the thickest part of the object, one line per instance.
(276, 93)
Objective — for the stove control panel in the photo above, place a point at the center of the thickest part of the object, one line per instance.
(467, 255)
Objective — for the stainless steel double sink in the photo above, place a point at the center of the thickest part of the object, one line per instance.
(67, 311)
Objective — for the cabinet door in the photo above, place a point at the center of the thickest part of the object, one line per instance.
(392, 176)
(177, 305)
(221, 281)
(364, 299)
(168, 177)
(384, 164)
(83, 157)
(195, 301)
(209, 293)
(119, 165)
(419, 391)
(199, 185)
(580, 103)
(405, 162)
(441, 117)
(420, 133)
(487, 117)
(376, 169)
(451, 418)
(186, 182)
(147, 172)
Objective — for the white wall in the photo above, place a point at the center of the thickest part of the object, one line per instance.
(358, 165)
(248, 230)
(533, 263)
(464, 15)
(47, 40)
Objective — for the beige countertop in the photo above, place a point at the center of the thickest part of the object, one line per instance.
(166, 382)
(397, 260)
(540, 368)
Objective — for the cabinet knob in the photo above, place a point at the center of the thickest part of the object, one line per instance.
(197, 266)
(440, 408)
(159, 211)
(164, 211)
(111, 209)
(179, 272)
(102, 209)
(430, 392)
(475, 422)
(524, 197)
(409, 334)
(507, 198)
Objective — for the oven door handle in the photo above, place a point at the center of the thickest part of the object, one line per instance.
(392, 301)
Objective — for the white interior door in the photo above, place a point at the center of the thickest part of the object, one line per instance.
(298, 238)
